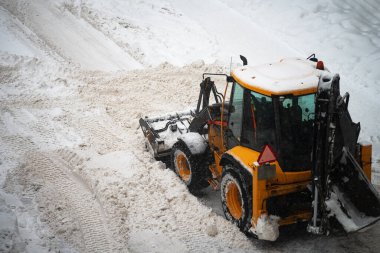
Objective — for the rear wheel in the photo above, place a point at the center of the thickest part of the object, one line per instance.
(236, 201)
(192, 169)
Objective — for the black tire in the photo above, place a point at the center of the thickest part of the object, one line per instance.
(236, 183)
(196, 178)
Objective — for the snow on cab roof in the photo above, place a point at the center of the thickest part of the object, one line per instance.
(288, 76)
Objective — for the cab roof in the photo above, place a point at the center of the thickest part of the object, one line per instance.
(288, 76)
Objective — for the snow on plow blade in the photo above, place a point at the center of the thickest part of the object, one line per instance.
(162, 132)
(354, 201)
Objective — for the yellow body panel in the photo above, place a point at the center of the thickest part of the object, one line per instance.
(366, 159)
(215, 141)
(300, 216)
(248, 157)
(283, 183)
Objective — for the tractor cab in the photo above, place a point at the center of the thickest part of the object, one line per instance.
(274, 104)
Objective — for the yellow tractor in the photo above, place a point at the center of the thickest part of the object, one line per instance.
(282, 150)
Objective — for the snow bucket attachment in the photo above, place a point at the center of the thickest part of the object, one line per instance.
(340, 186)
(162, 132)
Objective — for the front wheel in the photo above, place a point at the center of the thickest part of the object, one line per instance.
(236, 202)
(192, 169)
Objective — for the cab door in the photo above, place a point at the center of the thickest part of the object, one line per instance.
(235, 122)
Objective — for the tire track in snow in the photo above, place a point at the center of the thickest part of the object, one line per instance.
(86, 210)
(86, 46)
(98, 133)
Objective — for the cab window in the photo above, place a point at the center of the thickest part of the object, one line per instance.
(296, 116)
(258, 124)
(236, 111)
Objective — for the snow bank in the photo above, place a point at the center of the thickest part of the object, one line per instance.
(12, 37)
(79, 153)
(151, 31)
(71, 37)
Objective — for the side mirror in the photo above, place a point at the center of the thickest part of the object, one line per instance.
(244, 60)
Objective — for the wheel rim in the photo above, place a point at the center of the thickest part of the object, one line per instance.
(234, 201)
(183, 167)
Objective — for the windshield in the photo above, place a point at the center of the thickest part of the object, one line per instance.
(296, 118)
(258, 123)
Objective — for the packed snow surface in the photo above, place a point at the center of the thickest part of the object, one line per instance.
(77, 75)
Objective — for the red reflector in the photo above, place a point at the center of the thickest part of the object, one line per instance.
(267, 155)
(320, 65)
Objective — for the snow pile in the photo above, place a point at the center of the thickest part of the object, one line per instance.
(212, 229)
(151, 31)
(267, 227)
(70, 36)
(10, 33)
(79, 153)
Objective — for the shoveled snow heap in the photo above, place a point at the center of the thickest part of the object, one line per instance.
(267, 227)
(73, 153)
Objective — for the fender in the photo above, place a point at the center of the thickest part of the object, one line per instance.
(242, 156)
(195, 142)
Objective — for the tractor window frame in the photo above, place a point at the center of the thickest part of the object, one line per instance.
(295, 130)
(233, 134)
(259, 127)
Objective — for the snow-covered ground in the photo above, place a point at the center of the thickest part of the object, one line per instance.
(75, 77)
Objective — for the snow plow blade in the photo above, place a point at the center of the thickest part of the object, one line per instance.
(162, 132)
(354, 201)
